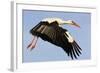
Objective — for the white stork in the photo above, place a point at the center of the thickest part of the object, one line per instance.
(49, 30)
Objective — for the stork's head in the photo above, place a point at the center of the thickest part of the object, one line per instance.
(70, 22)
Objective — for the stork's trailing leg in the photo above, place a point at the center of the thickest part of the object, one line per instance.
(33, 43)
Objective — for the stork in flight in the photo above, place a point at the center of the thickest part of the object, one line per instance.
(49, 30)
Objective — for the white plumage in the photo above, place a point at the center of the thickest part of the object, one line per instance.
(50, 20)
(69, 37)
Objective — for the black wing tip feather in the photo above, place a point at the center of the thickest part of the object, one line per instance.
(75, 51)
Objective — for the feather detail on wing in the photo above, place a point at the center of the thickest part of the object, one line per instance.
(72, 48)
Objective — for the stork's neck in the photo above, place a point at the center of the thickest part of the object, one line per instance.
(66, 22)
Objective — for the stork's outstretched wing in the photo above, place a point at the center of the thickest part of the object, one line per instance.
(66, 42)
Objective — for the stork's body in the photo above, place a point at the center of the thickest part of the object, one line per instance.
(49, 30)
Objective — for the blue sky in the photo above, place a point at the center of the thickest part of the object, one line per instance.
(45, 51)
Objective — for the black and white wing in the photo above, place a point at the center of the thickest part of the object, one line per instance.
(71, 47)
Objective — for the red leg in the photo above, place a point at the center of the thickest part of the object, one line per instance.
(31, 42)
(34, 43)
